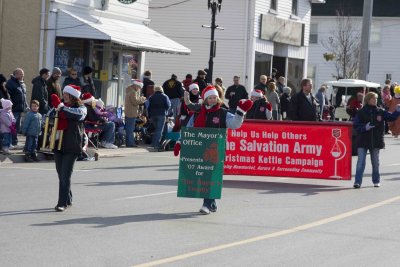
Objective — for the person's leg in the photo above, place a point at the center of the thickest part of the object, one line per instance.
(6, 142)
(274, 115)
(129, 127)
(33, 148)
(58, 158)
(17, 116)
(108, 129)
(66, 170)
(376, 178)
(159, 123)
(362, 154)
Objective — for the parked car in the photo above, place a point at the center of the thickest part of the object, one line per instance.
(341, 91)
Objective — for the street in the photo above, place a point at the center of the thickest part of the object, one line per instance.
(126, 213)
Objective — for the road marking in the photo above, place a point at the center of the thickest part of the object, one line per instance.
(39, 169)
(149, 195)
(271, 235)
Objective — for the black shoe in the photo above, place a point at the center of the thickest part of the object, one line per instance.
(213, 207)
(356, 185)
(34, 157)
(28, 158)
(59, 208)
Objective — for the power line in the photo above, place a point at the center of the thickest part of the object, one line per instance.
(174, 4)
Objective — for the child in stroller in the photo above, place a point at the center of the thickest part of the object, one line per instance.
(114, 114)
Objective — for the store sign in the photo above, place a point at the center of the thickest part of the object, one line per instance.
(201, 162)
(127, 1)
(281, 30)
(290, 149)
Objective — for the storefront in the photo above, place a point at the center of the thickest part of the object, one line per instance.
(115, 49)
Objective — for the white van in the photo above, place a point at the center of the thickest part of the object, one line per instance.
(339, 92)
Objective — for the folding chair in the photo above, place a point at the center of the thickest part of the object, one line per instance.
(93, 132)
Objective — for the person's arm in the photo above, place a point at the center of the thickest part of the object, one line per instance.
(292, 109)
(228, 93)
(391, 116)
(136, 100)
(268, 111)
(235, 121)
(27, 121)
(78, 114)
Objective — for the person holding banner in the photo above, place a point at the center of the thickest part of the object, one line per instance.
(209, 114)
(369, 124)
(261, 109)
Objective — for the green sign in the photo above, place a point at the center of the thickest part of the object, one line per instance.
(201, 162)
(127, 1)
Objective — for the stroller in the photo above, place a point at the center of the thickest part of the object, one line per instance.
(140, 130)
(115, 115)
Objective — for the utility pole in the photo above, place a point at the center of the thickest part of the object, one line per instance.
(365, 37)
(214, 6)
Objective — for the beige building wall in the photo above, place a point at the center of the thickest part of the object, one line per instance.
(20, 38)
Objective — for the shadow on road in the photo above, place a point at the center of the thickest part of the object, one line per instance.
(101, 222)
(276, 187)
(24, 212)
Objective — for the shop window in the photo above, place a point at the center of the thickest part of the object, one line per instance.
(130, 64)
(70, 53)
(262, 66)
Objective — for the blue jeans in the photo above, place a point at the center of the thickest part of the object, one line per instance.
(31, 144)
(158, 122)
(17, 116)
(175, 107)
(6, 141)
(362, 154)
(108, 132)
(129, 128)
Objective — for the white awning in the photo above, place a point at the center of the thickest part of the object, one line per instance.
(135, 35)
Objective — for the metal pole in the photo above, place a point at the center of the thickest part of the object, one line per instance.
(365, 36)
(212, 43)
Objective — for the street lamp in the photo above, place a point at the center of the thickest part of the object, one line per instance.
(214, 6)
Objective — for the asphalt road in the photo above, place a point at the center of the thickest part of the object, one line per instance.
(126, 213)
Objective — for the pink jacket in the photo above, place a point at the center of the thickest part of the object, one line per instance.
(6, 119)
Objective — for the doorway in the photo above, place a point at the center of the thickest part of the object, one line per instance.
(279, 63)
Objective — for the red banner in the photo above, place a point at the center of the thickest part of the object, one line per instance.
(292, 149)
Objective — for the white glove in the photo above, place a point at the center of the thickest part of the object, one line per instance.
(369, 126)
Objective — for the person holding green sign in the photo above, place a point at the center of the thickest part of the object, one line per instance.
(209, 114)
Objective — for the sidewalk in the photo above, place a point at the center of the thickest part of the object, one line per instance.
(17, 155)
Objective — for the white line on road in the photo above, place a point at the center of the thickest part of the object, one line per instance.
(271, 235)
(149, 195)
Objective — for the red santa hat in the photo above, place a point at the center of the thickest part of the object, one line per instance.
(193, 86)
(209, 90)
(87, 98)
(137, 83)
(73, 90)
(257, 93)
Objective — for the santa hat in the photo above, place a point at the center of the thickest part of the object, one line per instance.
(256, 93)
(193, 86)
(73, 90)
(137, 83)
(209, 90)
(5, 103)
(99, 103)
(87, 98)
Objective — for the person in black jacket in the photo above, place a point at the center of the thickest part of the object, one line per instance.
(158, 107)
(174, 90)
(72, 78)
(303, 105)
(39, 91)
(201, 80)
(148, 84)
(235, 93)
(87, 82)
(261, 109)
(71, 114)
(285, 102)
(369, 123)
(3, 90)
(17, 90)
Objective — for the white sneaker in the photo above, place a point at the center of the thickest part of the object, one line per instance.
(204, 210)
(109, 145)
(377, 185)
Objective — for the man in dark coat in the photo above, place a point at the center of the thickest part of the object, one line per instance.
(201, 80)
(87, 82)
(17, 90)
(303, 105)
(174, 90)
(235, 93)
(53, 85)
(39, 90)
(148, 84)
